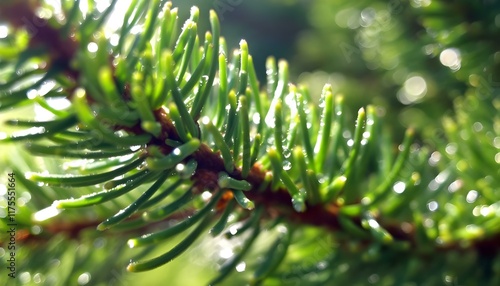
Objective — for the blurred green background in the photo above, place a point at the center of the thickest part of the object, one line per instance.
(372, 52)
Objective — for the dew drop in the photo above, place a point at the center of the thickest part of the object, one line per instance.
(25, 277)
(287, 165)
(180, 167)
(256, 118)
(455, 186)
(32, 94)
(205, 120)
(36, 229)
(38, 278)
(496, 142)
(477, 126)
(414, 89)
(399, 187)
(233, 229)
(226, 253)
(241, 267)
(433, 206)
(434, 158)
(4, 31)
(441, 177)
(485, 211)
(92, 47)
(373, 223)
(374, 278)
(451, 58)
(472, 196)
(428, 223)
(298, 205)
(84, 278)
(206, 195)
(114, 40)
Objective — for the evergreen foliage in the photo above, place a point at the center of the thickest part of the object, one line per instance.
(166, 137)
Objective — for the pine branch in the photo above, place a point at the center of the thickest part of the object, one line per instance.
(148, 97)
(210, 164)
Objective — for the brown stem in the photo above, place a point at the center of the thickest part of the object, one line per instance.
(20, 14)
(74, 230)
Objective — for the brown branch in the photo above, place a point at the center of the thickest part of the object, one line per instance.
(74, 230)
(277, 203)
(20, 14)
